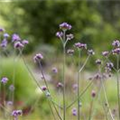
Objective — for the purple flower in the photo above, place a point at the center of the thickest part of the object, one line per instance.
(74, 112)
(11, 88)
(75, 86)
(44, 88)
(18, 45)
(16, 113)
(38, 57)
(15, 37)
(91, 52)
(59, 85)
(109, 65)
(116, 51)
(4, 43)
(70, 51)
(6, 35)
(25, 42)
(65, 26)
(93, 93)
(97, 76)
(116, 43)
(9, 103)
(105, 53)
(81, 45)
(98, 62)
(59, 34)
(4, 80)
(2, 29)
(54, 70)
(70, 36)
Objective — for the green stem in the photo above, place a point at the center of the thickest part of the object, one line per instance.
(118, 89)
(64, 103)
(78, 91)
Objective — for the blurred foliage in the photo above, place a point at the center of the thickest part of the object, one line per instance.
(96, 23)
(24, 84)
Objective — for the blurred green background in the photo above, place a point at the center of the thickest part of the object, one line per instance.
(94, 22)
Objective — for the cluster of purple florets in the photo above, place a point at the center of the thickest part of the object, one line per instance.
(16, 113)
(15, 39)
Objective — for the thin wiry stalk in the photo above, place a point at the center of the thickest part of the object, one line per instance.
(118, 89)
(106, 99)
(63, 74)
(78, 91)
(41, 90)
(91, 108)
(82, 93)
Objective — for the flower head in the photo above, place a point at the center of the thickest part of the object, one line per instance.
(16, 113)
(55, 70)
(6, 35)
(2, 29)
(70, 36)
(105, 53)
(18, 45)
(38, 57)
(15, 37)
(25, 42)
(59, 34)
(70, 51)
(116, 51)
(91, 52)
(74, 112)
(59, 85)
(65, 26)
(81, 45)
(4, 43)
(44, 88)
(11, 87)
(98, 62)
(93, 93)
(4, 80)
(116, 43)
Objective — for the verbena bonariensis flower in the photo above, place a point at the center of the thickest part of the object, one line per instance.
(55, 70)
(105, 53)
(93, 93)
(109, 65)
(44, 88)
(38, 57)
(4, 43)
(16, 113)
(91, 52)
(59, 34)
(116, 51)
(15, 37)
(59, 85)
(11, 87)
(70, 36)
(18, 45)
(9, 103)
(6, 35)
(70, 51)
(81, 45)
(65, 26)
(74, 112)
(98, 62)
(25, 42)
(4, 80)
(116, 43)
(75, 87)
(2, 29)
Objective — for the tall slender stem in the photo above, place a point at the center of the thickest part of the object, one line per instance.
(118, 89)
(64, 103)
(78, 91)
(64, 59)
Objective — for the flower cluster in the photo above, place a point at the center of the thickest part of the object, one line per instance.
(16, 113)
